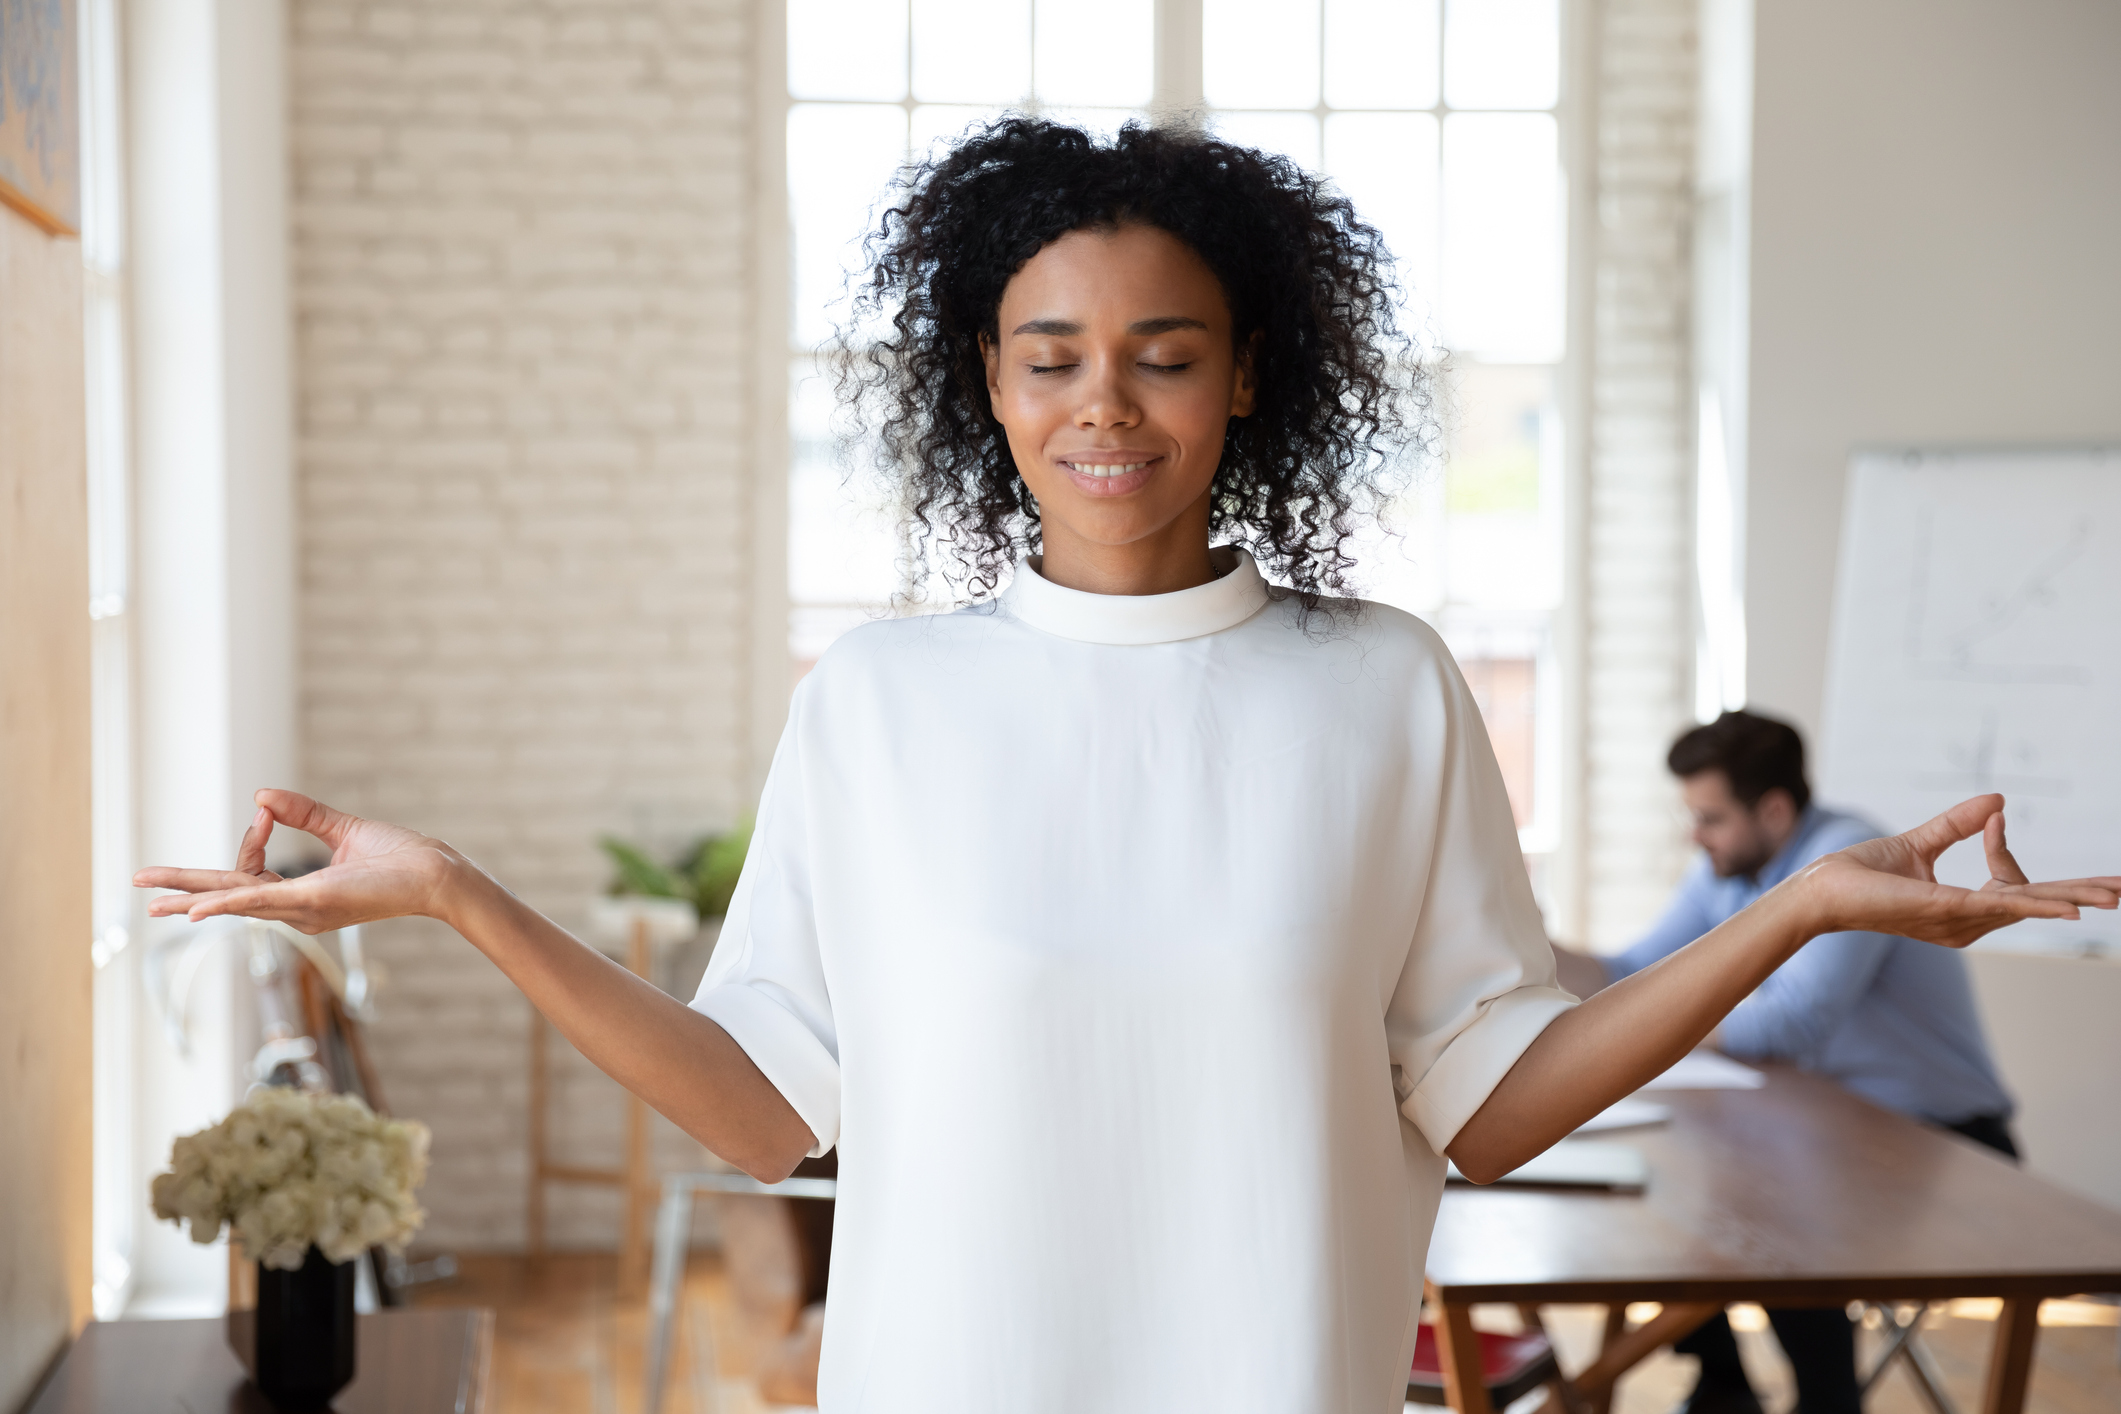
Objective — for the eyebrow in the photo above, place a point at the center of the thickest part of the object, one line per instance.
(1065, 327)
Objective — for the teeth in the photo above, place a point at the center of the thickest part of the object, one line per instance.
(1089, 470)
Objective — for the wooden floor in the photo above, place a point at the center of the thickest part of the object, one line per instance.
(566, 1343)
(2078, 1369)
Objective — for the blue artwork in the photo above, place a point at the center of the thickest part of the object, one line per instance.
(40, 144)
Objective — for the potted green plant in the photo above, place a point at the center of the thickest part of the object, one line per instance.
(679, 905)
(305, 1184)
(704, 876)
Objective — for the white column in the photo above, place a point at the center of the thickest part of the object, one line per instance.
(205, 96)
(1178, 92)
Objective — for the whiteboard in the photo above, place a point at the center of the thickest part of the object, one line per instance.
(1977, 646)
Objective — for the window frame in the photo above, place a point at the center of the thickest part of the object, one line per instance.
(116, 910)
(1178, 90)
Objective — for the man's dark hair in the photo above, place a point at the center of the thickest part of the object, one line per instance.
(1756, 754)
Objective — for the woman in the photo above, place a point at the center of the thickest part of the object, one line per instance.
(1143, 937)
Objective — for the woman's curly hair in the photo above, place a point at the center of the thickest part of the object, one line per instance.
(1339, 395)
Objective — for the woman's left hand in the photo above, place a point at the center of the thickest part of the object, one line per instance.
(1890, 885)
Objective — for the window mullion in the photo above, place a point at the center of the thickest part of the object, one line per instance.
(1178, 64)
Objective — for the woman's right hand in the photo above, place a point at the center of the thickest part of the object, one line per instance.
(673, 1057)
(376, 871)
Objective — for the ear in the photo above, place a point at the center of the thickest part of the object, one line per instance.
(1777, 809)
(991, 356)
(1244, 394)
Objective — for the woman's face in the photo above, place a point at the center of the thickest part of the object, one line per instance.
(1115, 377)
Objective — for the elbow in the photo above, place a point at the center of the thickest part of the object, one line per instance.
(765, 1170)
(1483, 1169)
(771, 1160)
(1479, 1162)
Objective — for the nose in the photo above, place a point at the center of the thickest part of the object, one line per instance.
(1107, 398)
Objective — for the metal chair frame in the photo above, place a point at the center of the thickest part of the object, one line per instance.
(666, 1277)
(1902, 1344)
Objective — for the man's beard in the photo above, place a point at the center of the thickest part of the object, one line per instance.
(1754, 859)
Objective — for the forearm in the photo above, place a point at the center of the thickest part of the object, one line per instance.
(1627, 1035)
(684, 1065)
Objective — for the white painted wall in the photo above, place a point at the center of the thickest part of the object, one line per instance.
(1936, 206)
(1935, 215)
(2069, 1108)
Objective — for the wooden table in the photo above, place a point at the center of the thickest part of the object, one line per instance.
(409, 1362)
(1796, 1194)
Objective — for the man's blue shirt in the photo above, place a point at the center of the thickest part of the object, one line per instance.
(1890, 1018)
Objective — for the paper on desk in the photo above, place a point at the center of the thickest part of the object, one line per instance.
(1630, 1113)
(1706, 1070)
(1577, 1163)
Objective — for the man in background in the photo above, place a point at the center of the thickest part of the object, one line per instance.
(1890, 1019)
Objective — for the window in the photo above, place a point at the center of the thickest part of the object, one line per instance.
(1439, 121)
(869, 83)
(1438, 118)
(110, 652)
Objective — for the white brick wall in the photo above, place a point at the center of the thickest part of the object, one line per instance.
(521, 283)
(1640, 622)
(521, 243)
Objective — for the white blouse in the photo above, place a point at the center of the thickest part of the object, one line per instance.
(1139, 955)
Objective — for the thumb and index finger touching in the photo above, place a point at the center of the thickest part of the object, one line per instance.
(300, 812)
(1969, 817)
(2002, 864)
(275, 807)
(290, 808)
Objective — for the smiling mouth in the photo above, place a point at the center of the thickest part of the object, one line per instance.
(1105, 469)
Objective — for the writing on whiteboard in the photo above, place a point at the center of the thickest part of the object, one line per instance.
(1977, 647)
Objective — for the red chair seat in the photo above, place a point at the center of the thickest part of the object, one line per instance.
(1510, 1365)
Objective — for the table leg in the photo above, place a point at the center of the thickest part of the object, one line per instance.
(540, 1098)
(1600, 1400)
(633, 1243)
(673, 1225)
(1624, 1350)
(1458, 1356)
(2010, 1366)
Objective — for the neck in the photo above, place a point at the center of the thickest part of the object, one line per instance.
(1165, 561)
(1776, 839)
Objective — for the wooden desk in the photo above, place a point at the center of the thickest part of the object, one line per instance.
(409, 1362)
(1796, 1194)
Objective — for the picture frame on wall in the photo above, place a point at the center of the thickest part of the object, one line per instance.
(40, 119)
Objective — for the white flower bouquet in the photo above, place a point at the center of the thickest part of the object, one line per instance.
(286, 1170)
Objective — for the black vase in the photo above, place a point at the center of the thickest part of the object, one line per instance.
(299, 1343)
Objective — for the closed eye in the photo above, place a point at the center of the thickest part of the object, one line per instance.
(1051, 367)
(1169, 367)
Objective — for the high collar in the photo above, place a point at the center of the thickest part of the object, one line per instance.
(1233, 596)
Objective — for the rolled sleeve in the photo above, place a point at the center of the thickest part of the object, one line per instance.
(1476, 1060)
(786, 1051)
(1478, 984)
(766, 983)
